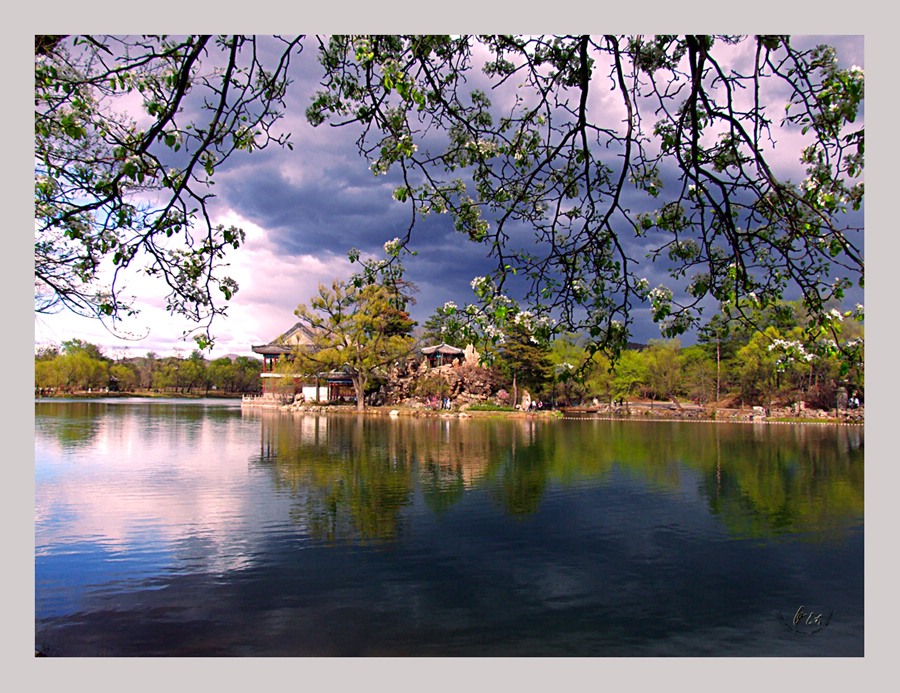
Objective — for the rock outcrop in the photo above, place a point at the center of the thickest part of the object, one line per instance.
(412, 385)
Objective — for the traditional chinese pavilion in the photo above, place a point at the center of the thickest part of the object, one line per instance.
(443, 354)
(325, 387)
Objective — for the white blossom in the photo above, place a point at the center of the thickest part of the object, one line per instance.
(477, 282)
(483, 147)
(660, 293)
(523, 317)
(494, 332)
(792, 351)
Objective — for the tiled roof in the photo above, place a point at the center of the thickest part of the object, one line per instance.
(271, 349)
(442, 349)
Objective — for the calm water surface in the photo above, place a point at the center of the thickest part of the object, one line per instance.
(195, 529)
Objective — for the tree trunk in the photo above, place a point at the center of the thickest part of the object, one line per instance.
(718, 369)
(359, 384)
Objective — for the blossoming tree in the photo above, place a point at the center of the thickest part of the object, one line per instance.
(589, 151)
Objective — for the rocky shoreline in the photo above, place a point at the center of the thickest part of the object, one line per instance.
(632, 411)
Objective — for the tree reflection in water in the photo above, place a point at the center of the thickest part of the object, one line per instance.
(354, 478)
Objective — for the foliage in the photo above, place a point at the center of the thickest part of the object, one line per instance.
(78, 366)
(428, 388)
(754, 367)
(356, 331)
(442, 326)
(111, 194)
(125, 377)
(598, 378)
(664, 368)
(725, 226)
(700, 380)
(629, 373)
(568, 358)
(687, 131)
(388, 273)
(524, 360)
(757, 371)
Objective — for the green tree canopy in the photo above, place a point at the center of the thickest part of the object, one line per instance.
(443, 325)
(664, 374)
(629, 374)
(570, 362)
(524, 359)
(355, 331)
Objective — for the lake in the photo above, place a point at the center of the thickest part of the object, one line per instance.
(193, 528)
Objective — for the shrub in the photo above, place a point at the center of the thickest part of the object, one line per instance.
(487, 406)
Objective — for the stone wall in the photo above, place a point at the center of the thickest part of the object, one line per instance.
(269, 400)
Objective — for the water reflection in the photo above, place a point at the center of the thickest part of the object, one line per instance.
(773, 481)
(352, 477)
(142, 487)
(190, 530)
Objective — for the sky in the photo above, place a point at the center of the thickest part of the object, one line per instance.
(302, 211)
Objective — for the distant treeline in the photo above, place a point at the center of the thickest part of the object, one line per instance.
(77, 366)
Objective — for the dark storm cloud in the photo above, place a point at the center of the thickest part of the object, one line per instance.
(322, 199)
(330, 210)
